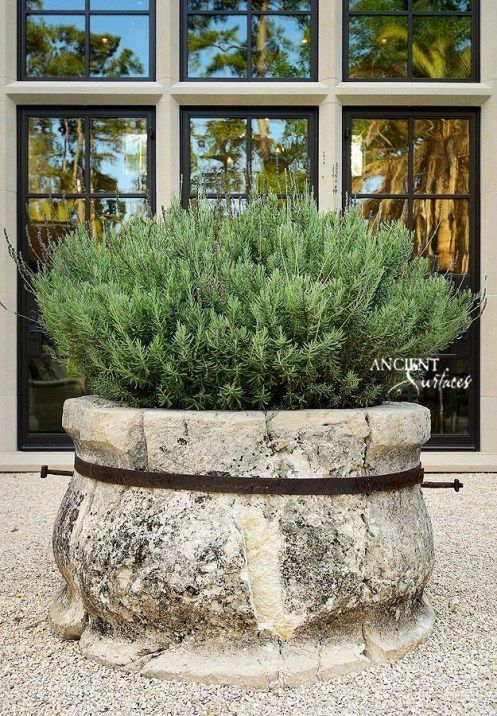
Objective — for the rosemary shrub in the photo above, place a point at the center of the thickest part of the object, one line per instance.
(277, 306)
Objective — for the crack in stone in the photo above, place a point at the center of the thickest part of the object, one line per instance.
(367, 442)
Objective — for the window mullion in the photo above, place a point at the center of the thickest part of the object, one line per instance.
(250, 67)
(87, 38)
(87, 168)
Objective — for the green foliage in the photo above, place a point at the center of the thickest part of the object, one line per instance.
(275, 306)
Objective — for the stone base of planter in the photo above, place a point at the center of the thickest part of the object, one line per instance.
(258, 663)
(238, 588)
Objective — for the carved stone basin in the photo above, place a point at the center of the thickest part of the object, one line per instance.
(240, 588)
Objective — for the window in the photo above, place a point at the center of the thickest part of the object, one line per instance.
(249, 39)
(410, 40)
(421, 167)
(77, 165)
(223, 154)
(87, 39)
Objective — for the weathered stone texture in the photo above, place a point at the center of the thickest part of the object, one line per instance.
(238, 588)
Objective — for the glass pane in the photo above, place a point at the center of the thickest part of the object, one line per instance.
(119, 4)
(119, 155)
(119, 46)
(446, 393)
(376, 211)
(282, 5)
(441, 156)
(234, 205)
(227, 5)
(441, 5)
(379, 151)
(281, 46)
(378, 47)
(377, 5)
(218, 155)
(55, 46)
(217, 46)
(442, 47)
(110, 214)
(50, 219)
(442, 233)
(280, 155)
(56, 154)
(51, 382)
(55, 4)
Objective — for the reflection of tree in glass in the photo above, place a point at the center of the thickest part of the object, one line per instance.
(281, 45)
(116, 141)
(282, 158)
(58, 50)
(218, 154)
(441, 166)
(441, 46)
(218, 160)
(56, 160)
(56, 155)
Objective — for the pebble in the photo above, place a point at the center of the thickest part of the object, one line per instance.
(452, 674)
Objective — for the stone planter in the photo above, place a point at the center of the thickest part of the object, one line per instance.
(238, 588)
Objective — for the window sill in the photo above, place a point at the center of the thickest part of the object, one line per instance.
(413, 94)
(249, 93)
(84, 93)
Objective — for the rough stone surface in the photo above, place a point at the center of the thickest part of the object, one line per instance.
(244, 589)
(452, 674)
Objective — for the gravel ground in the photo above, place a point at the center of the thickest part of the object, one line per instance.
(453, 673)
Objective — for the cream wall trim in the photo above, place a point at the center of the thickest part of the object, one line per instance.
(458, 461)
(433, 462)
(413, 94)
(84, 93)
(249, 93)
(32, 461)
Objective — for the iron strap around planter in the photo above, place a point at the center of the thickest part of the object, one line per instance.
(221, 482)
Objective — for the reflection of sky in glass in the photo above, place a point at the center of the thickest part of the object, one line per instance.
(201, 62)
(282, 5)
(38, 65)
(125, 166)
(134, 34)
(55, 5)
(217, 5)
(281, 134)
(218, 46)
(285, 47)
(118, 4)
(218, 148)
(51, 155)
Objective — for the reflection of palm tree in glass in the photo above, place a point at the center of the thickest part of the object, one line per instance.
(441, 47)
(440, 167)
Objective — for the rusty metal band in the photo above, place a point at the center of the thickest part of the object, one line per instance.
(221, 482)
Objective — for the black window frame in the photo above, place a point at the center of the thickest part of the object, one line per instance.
(86, 13)
(28, 330)
(471, 340)
(474, 14)
(249, 13)
(187, 113)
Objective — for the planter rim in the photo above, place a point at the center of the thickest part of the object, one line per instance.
(97, 402)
